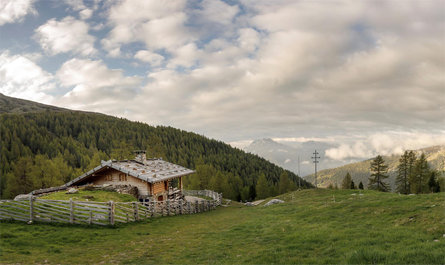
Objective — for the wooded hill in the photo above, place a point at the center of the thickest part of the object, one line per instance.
(43, 146)
(360, 171)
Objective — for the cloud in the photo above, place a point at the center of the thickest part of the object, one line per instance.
(15, 10)
(386, 143)
(23, 78)
(218, 11)
(158, 24)
(67, 35)
(149, 57)
(106, 89)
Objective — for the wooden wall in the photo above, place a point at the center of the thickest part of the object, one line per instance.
(111, 176)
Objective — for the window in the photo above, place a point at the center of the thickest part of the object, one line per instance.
(122, 177)
(109, 177)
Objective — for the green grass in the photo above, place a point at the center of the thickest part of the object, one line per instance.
(375, 228)
(93, 195)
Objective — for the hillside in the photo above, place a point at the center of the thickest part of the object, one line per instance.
(360, 171)
(42, 149)
(17, 105)
(311, 227)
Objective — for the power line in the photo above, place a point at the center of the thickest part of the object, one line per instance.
(315, 157)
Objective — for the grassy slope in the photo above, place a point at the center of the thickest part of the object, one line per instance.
(309, 228)
(83, 195)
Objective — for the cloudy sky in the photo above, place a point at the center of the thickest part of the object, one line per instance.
(369, 75)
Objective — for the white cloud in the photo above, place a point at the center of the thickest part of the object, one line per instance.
(218, 11)
(386, 143)
(149, 57)
(67, 35)
(106, 89)
(23, 78)
(86, 13)
(15, 10)
(158, 24)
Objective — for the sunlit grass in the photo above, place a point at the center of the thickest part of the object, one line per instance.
(308, 228)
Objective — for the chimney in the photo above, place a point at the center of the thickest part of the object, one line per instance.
(140, 156)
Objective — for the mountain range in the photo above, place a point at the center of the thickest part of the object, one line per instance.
(288, 155)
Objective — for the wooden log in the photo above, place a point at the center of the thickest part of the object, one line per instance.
(7, 215)
(111, 213)
(168, 207)
(31, 208)
(16, 208)
(71, 211)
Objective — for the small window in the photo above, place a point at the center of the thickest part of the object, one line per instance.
(122, 177)
(109, 177)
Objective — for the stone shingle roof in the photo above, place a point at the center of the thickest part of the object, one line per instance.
(151, 170)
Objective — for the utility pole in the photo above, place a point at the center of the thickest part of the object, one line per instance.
(315, 157)
(299, 176)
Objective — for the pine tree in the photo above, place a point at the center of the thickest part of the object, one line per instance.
(262, 189)
(353, 187)
(421, 173)
(346, 183)
(360, 185)
(378, 174)
(403, 174)
(285, 184)
(433, 184)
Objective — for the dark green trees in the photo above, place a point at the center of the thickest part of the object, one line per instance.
(262, 187)
(405, 172)
(346, 183)
(378, 174)
(420, 175)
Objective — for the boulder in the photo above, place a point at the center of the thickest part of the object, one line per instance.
(249, 204)
(21, 197)
(273, 201)
(72, 191)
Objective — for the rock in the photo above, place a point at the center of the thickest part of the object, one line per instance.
(21, 197)
(248, 204)
(72, 191)
(273, 201)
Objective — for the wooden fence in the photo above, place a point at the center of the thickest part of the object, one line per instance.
(100, 213)
(205, 193)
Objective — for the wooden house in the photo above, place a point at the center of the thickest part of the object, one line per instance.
(154, 178)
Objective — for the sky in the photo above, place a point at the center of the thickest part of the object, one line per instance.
(368, 75)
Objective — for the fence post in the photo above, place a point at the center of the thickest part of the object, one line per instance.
(196, 206)
(208, 205)
(152, 208)
(136, 211)
(168, 207)
(31, 208)
(111, 213)
(180, 206)
(189, 208)
(90, 221)
(71, 211)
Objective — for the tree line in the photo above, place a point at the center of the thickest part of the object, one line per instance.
(44, 149)
(414, 175)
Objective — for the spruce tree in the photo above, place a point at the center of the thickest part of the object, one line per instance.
(360, 185)
(378, 174)
(433, 184)
(262, 189)
(353, 187)
(421, 173)
(403, 174)
(346, 183)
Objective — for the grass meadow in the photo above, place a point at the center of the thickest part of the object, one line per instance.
(312, 227)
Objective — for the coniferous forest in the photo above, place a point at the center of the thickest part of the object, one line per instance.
(48, 148)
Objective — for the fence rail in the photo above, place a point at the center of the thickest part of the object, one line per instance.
(103, 213)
